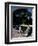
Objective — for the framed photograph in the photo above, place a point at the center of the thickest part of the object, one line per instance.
(20, 22)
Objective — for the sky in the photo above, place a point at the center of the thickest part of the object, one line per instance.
(16, 7)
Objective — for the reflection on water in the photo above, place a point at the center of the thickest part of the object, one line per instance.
(21, 31)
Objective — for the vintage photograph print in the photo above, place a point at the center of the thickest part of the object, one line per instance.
(20, 22)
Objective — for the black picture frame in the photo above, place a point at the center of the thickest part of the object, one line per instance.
(7, 22)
